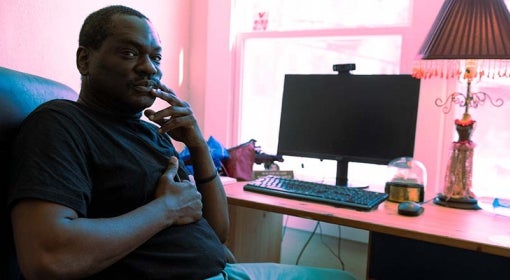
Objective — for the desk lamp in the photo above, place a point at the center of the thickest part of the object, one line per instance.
(470, 39)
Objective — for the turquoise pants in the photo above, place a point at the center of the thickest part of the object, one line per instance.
(275, 271)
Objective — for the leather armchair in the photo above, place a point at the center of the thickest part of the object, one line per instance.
(20, 94)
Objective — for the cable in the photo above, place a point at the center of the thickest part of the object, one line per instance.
(339, 240)
(307, 242)
(318, 226)
(339, 246)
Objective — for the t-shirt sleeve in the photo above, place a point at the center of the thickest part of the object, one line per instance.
(49, 162)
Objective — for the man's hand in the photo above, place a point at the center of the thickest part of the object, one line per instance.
(183, 200)
(177, 120)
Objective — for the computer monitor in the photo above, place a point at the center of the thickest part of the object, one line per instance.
(348, 118)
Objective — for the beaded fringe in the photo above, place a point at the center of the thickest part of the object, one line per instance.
(456, 69)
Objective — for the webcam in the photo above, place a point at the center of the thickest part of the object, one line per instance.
(344, 68)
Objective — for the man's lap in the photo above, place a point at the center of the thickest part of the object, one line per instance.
(275, 271)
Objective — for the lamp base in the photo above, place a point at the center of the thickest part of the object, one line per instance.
(460, 203)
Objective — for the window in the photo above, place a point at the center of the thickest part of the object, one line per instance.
(491, 160)
(311, 38)
(267, 60)
(275, 37)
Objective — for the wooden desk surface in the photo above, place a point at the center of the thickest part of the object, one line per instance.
(475, 230)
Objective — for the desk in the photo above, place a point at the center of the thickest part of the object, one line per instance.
(439, 232)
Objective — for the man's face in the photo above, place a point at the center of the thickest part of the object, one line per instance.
(126, 67)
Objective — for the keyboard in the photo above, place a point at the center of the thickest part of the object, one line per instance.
(339, 196)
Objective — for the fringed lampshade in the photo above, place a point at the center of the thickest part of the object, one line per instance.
(467, 30)
(469, 39)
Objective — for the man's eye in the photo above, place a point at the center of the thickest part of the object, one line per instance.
(157, 58)
(129, 53)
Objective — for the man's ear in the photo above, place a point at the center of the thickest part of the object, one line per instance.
(82, 60)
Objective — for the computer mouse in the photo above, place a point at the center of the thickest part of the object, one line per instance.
(410, 208)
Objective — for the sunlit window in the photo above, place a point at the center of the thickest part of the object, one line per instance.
(267, 57)
(267, 60)
(491, 160)
(276, 37)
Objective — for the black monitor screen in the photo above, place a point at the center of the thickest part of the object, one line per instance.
(361, 118)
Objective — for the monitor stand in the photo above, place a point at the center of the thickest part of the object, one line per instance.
(342, 166)
(342, 169)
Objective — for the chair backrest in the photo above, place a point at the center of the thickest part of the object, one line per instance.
(20, 94)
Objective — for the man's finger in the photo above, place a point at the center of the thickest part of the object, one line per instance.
(171, 170)
(167, 95)
(151, 115)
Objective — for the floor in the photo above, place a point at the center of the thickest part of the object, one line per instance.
(321, 251)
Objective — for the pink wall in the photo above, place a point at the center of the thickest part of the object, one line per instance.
(41, 37)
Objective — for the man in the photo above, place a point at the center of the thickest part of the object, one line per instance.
(99, 193)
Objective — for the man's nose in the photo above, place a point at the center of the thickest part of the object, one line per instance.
(147, 66)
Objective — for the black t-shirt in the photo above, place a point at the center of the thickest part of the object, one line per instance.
(103, 165)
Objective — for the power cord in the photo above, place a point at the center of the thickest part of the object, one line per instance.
(318, 226)
(307, 242)
(339, 246)
(339, 242)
